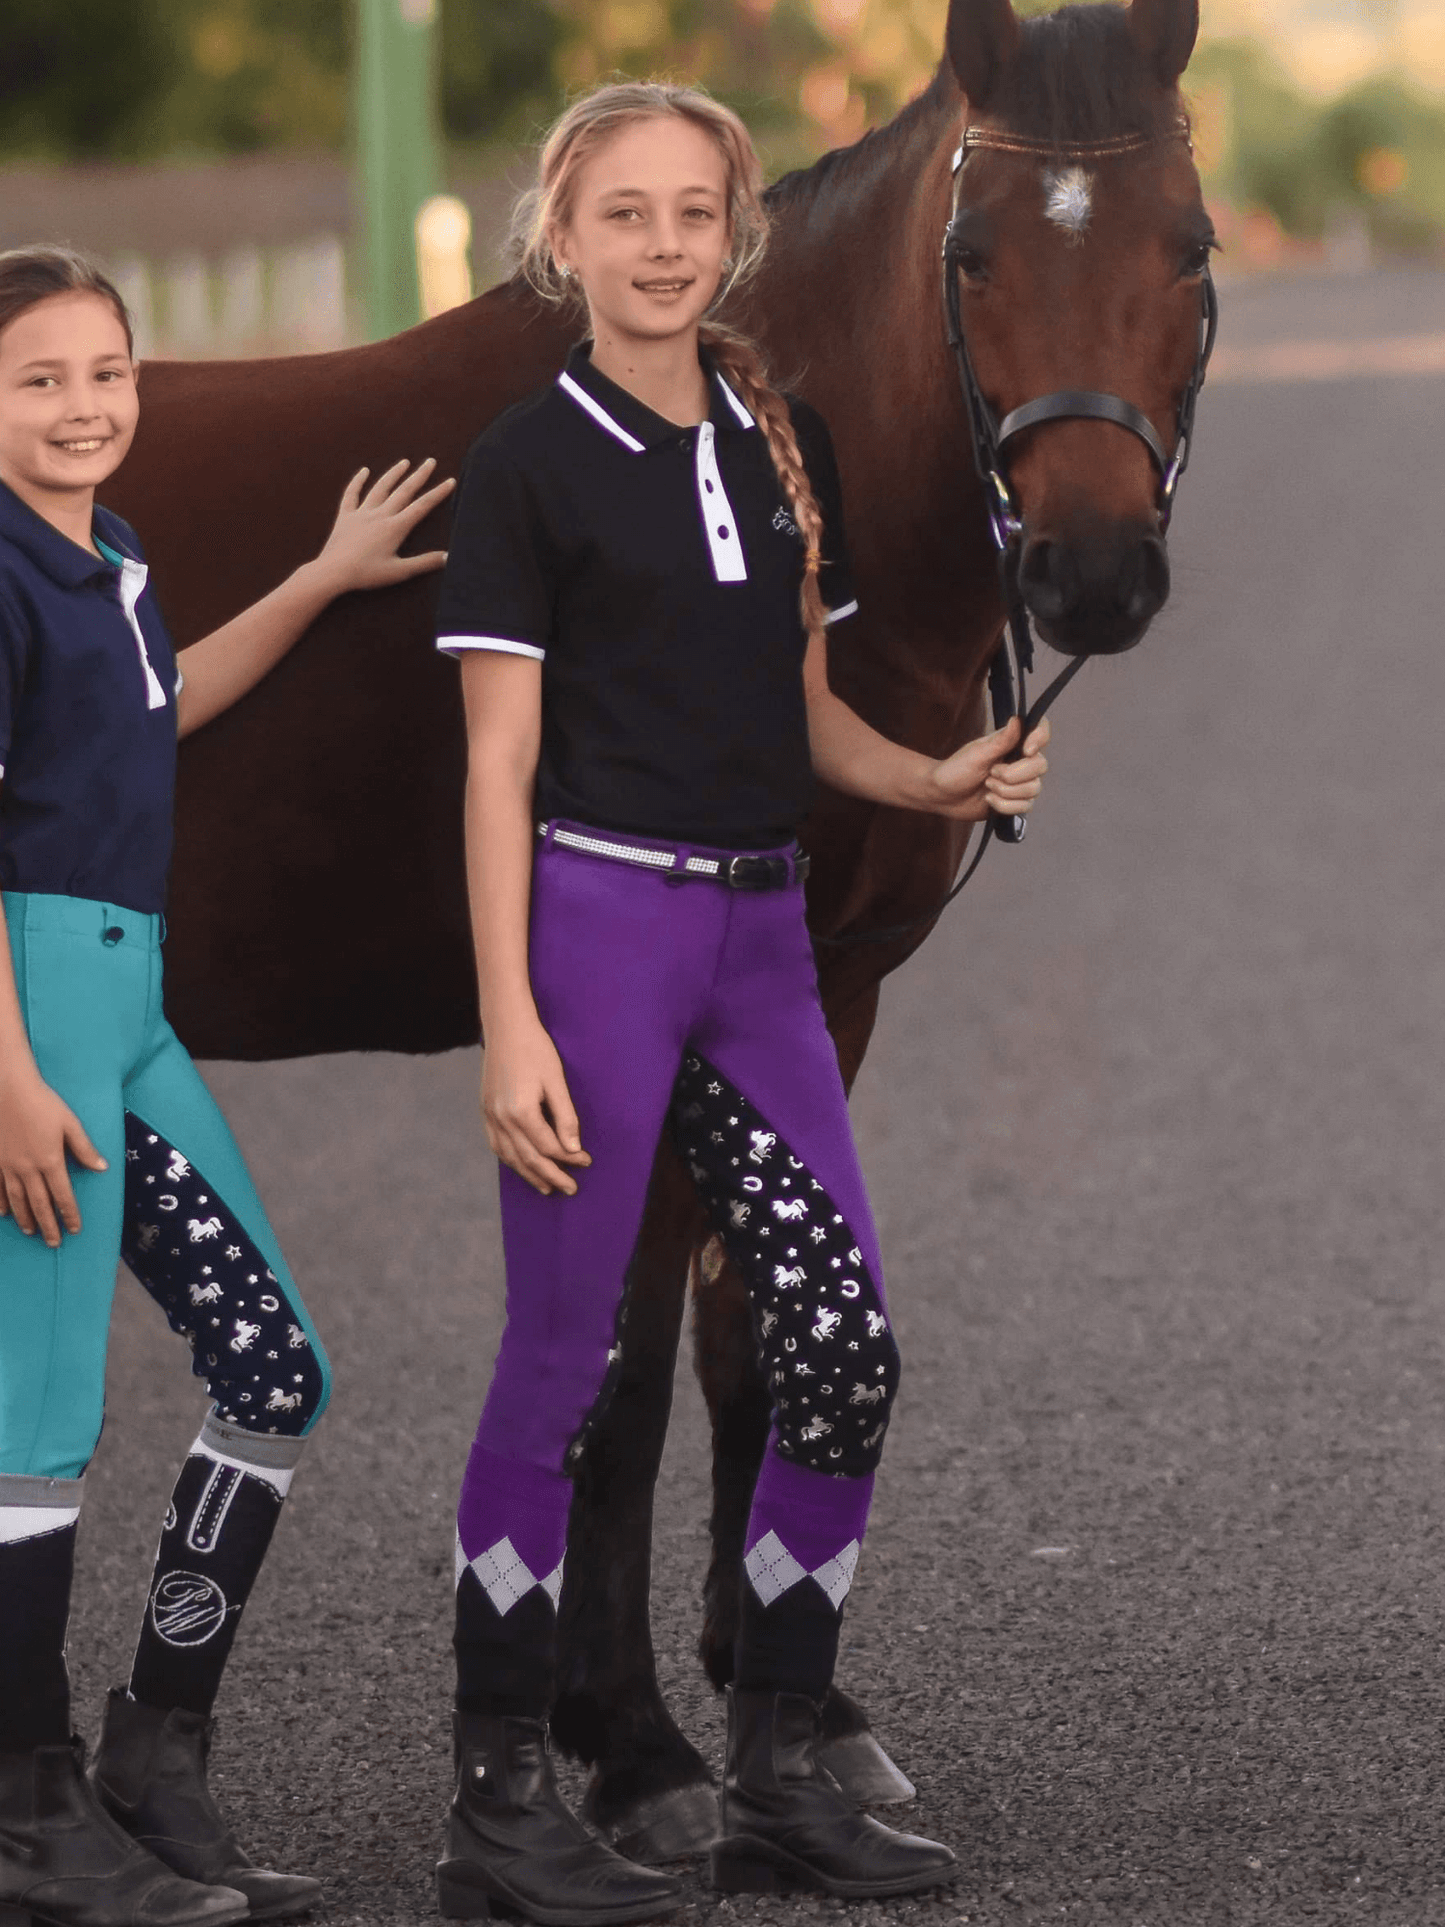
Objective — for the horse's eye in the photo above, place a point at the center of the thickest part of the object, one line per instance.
(971, 265)
(1196, 260)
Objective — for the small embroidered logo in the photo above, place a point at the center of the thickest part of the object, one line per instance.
(784, 522)
(187, 1610)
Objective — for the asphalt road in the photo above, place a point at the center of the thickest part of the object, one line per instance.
(1152, 1609)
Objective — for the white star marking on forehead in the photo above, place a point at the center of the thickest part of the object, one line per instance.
(1070, 199)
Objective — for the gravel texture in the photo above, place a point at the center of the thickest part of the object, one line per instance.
(1152, 1606)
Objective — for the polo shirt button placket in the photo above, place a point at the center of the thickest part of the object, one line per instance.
(719, 522)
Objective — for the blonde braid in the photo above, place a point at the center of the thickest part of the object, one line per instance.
(738, 359)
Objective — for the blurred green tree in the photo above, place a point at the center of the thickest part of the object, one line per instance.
(1260, 129)
(1381, 148)
(498, 68)
(1376, 152)
(258, 74)
(83, 79)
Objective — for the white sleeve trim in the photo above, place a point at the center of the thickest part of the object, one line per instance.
(504, 645)
(837, 615)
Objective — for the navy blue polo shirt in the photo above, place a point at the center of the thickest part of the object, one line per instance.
(654, 571)
(87, 715)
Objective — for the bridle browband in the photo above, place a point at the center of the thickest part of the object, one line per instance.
(1014, 659)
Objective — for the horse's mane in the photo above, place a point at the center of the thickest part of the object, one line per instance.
(874, 154)
(1078, 77)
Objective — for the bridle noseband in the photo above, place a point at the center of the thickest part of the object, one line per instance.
(1008, 678)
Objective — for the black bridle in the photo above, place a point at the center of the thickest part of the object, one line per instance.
(1013, 661)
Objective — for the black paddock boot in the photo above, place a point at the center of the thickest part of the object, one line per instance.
(513, 1841)
(150, 1776)
(65, 1863)
(787, 1825)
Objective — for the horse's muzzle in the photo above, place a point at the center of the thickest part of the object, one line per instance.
(1095, 598)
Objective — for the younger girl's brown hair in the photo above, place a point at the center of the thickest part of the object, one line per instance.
(31, 275)
(582, 131)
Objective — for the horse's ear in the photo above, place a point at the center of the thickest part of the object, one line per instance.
(1166, 31)
(980, 39)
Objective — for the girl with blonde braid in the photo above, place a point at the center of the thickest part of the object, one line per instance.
(644, 561)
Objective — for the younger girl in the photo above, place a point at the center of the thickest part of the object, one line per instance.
(91, 701)
(644, 561)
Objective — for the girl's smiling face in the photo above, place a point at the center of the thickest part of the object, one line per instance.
(68, 400)
(647, 232)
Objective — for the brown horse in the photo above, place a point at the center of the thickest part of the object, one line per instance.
(319, 900)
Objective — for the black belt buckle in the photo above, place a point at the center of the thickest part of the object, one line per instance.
(763, 872)
(757, 873)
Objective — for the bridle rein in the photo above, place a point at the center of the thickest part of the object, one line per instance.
(1014, 659)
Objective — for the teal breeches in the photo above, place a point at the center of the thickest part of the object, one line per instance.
(176, 1202)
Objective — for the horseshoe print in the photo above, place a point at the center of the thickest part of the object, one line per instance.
(218, 1282)
(794, 1236)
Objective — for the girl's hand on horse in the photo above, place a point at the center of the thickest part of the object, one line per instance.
(530, 1120)
(977, 779)
(361, 550)
(37, 1128)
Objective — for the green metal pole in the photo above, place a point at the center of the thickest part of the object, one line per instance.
(398, 151)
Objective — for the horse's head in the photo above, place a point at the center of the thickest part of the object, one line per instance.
(1078, 261)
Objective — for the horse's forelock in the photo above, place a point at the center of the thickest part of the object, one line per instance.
(1079, 75)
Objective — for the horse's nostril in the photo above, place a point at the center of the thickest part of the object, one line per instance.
(1048, 580)
(1150, 588)
(1126, 582)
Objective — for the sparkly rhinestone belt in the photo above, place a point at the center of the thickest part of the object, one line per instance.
(742, 872)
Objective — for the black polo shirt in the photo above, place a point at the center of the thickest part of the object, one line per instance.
(87, 715)
(654, 571)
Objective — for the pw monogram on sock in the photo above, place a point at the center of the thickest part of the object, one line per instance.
(216, 1533)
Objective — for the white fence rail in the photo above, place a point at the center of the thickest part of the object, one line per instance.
(250, 300)
(246, 256)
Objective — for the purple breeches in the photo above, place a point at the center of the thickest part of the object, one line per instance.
(692, 1007)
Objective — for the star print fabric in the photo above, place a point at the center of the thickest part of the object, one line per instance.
(822, 1330)
(192, 1254)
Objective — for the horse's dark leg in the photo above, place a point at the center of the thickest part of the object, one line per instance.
(651, 1791)
(741, 1408)
(737, 1397)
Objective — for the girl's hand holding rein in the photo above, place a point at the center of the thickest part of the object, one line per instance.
(968, 786)
(978, 779)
